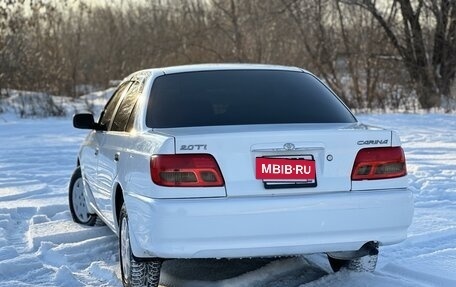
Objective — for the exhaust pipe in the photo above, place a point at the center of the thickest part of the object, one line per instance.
(361, 260)
(368, 249)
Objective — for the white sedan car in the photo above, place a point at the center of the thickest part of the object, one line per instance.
(237, 160)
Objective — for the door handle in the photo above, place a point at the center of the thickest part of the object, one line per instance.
(116, 156)
(97, 150)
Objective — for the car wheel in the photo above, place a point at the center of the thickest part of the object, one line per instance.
(78, 205)
(362, 264)
(135, 273)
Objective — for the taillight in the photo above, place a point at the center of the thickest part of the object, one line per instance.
(185, 170)
(379, 163)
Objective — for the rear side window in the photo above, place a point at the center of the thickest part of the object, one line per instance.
(125, 109)
(242, 97)
(108, 111)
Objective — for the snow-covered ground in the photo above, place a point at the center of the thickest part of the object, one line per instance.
(41, 246)
(28, 104)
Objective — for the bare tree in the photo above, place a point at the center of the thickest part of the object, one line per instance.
(403, 24)
(380, 56)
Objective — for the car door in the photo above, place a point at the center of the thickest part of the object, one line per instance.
(89, 161)
(98, 139)
(112, 151)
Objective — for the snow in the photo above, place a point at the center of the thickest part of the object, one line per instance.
(39, 105)
(40, 245)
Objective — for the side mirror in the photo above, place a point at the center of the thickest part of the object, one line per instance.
(84, 121)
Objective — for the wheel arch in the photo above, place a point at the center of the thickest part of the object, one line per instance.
(118, 200)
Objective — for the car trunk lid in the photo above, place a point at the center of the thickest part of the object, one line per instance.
(241, 151)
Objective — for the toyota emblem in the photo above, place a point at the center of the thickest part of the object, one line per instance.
(289, 146)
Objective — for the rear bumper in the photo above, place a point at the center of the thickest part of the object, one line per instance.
(267, 226)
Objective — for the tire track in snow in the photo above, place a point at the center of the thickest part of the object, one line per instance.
(37, 235)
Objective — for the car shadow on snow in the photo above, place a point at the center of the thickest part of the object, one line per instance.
(255, 272)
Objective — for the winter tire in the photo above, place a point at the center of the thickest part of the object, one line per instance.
(134, 273)
(77, 200)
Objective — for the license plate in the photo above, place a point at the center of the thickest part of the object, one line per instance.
(285, 169)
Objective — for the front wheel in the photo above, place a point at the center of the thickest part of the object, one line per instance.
(78, 205)
(135, 273)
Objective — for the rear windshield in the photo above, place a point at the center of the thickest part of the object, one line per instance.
(244, 97)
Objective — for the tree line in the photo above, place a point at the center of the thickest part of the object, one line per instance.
(395, 54)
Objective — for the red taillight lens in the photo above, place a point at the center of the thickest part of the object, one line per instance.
(185, 170)
(379, 163)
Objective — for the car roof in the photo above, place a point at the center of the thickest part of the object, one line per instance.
(210, 67)
(213, 67)
(216, 67)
